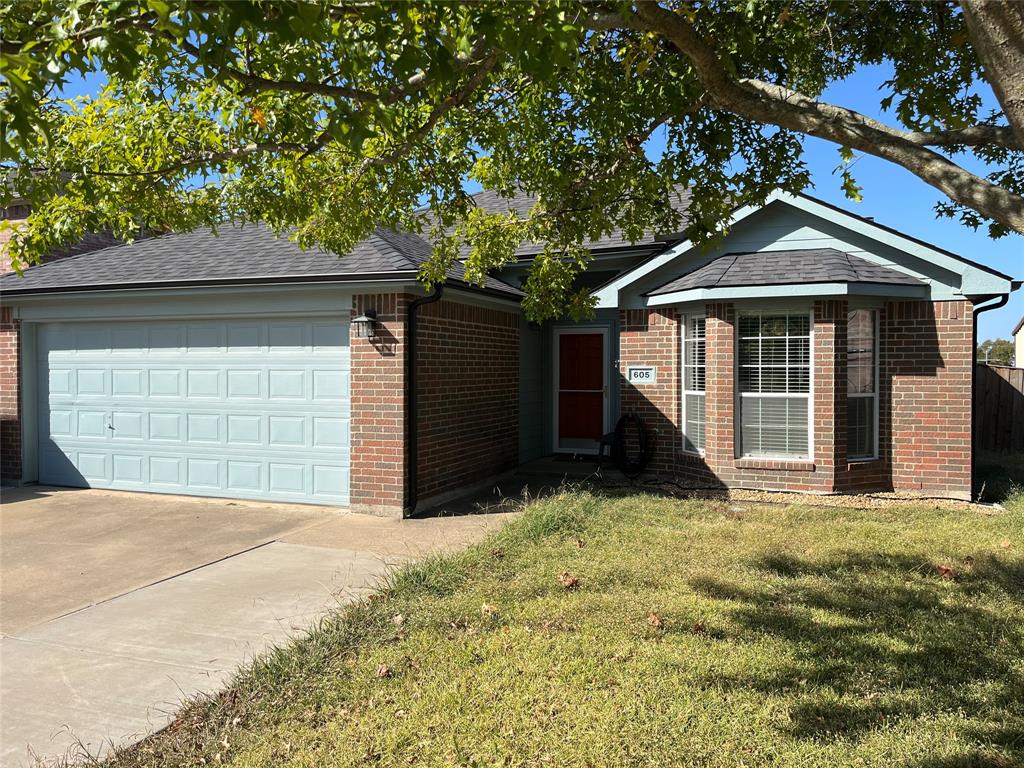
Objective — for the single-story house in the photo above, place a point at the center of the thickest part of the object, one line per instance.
(812, 350)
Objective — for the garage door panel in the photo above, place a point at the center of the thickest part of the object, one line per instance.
(215, 408)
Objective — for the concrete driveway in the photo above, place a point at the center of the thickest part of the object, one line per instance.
(115, 606)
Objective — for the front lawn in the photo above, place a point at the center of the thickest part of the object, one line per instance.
(639, 630)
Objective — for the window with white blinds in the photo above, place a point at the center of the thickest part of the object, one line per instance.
(693, 383)
(862, 384)
(774, 372)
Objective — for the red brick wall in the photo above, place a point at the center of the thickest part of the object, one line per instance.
(10, 400)
(924, 401)
(468, 390)
(652, 337)
(929, 369)
(378, 424)
(817, 474)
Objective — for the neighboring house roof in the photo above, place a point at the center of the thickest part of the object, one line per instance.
(237, 253)
(1019, 325)
(812, 265)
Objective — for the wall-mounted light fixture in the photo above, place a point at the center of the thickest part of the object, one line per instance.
(366, 324)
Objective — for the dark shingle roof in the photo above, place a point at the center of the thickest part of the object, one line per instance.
(252, 253)
(237, 253)
(522, 202)
(813, 265)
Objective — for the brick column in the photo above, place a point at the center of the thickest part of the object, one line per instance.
(720, 387)
(829, 390)
(10, 396)
(929, 365)
(379, 430)
(652, 337)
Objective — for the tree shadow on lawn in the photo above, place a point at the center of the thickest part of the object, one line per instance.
(878, 637)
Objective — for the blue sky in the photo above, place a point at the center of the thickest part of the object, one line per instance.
(892, 195)
(897, 198)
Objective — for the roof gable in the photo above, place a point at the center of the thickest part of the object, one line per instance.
(788, 223)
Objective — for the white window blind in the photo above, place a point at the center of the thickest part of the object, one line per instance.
(774, 356)
(862, 384)
(693, 383)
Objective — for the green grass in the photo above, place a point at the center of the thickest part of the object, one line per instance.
(783, 637)
(1001, 478)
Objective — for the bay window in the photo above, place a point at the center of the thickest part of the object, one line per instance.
(774, 371)
(693, 383)
(862, 385)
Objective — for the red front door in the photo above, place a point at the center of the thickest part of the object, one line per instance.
(581, 390)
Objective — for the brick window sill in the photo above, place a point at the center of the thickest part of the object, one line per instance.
(775, 465)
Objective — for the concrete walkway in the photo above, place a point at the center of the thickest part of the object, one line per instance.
(116, 665)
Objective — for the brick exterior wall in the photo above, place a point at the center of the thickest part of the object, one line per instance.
(10, 397)
(379, 430)
(929, 368)
(467, 382)
(924, 401)
(652, 337)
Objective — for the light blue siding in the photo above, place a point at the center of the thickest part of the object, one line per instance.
(252, 409)
(531, 391)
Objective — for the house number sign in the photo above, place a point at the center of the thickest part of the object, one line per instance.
(641, 374)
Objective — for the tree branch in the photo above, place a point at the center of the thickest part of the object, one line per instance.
(444, 107)
(203, 158)
(971, 136)
(776, 105)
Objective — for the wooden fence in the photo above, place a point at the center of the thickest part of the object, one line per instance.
(998, 409)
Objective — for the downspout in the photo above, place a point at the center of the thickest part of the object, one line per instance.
(1000, 301)
(411, 398)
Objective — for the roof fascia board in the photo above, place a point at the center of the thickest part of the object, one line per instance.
(361, 281)
(734, 293)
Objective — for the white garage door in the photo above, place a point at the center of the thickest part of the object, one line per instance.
(238, 408)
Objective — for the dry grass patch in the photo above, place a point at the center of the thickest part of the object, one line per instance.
(640, 630)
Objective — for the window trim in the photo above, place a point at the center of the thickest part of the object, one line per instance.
(739, 450)
(876, 333)
(685, 325)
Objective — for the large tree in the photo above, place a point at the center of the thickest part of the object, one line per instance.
(330, 118)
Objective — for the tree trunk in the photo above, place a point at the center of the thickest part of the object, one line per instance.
(997, 29)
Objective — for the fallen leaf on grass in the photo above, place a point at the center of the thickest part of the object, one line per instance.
(568, 581)
(384, 671)
(654, 620)
(488, 610)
